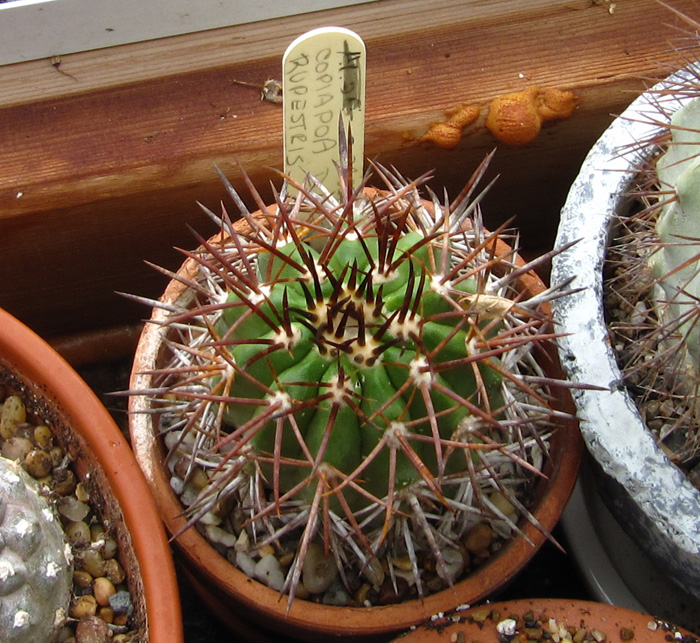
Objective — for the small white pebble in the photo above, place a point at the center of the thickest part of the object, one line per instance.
(210, 518)
(653, 626)
(453, 568)
(639, 313)
(507, 627)
(171, 439)
(336, 595)
(177, 485)
(269, 571)
(243, 541)
(245, 563)
(319, 570)
(220, 536)
(73, 509)
(189, 495)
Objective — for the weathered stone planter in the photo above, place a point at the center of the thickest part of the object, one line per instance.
(647, 493)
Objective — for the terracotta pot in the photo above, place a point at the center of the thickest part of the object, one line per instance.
(257, 612)
(649, 496)
(106, 465)
(481, 623)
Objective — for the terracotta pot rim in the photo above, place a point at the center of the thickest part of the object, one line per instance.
(24, 352)
(609, 619)
(353, 621)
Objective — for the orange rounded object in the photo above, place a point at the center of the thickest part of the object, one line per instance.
(556, 103)
(449, 133)
(514, 118)
(444, 135)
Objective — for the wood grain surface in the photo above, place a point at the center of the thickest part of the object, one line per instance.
(104, 155)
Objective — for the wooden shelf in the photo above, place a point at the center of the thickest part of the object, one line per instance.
(102, 159)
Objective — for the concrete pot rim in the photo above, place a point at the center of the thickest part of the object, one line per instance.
(664, 507)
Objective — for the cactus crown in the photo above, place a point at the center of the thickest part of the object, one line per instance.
(654, 289)
(359, 375)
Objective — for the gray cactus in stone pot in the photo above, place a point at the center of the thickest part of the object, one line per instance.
(653, 290)
(35, 565)
(675, 263)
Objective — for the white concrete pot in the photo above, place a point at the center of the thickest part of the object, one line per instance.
(650, 497)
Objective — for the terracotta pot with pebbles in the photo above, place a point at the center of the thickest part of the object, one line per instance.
(633, 328)
(550, 620)
(349, 411)
(84, 556)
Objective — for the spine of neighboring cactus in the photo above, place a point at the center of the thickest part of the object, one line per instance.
(676, 263)
(359, 373)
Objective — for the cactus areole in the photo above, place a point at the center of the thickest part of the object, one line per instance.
(357, 373)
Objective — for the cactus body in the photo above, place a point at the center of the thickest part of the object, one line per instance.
(675, 263)
(355, 349)
(35, 574)
(652, 285)
(358, 374)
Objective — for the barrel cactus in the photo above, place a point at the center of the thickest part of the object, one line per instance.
(353, 381)
(35, 563)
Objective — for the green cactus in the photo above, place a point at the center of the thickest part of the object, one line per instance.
(358, 373)
(676, 262)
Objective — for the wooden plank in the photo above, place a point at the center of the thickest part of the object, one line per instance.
(98, 174)
(219, 48)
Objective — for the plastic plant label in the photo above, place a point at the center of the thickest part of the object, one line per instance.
(323, 80)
